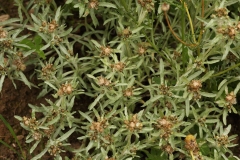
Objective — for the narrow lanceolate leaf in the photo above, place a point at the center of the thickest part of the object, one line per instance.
(37, 157)
(66, 135)
(12, 20)
(86, 116)
(24, 79)
(1, 82)
(95, 101)
(107, 4)
(205, 94)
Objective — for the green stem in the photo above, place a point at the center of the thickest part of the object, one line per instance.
(226, 70)
(190, 21)
(184, 48)
(191, 152)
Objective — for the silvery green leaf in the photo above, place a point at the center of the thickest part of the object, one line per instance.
(109, 20)
(193, 76)
(236, 88)
(16, 33)
(68, 1)
(94, 19)
(142, 16)
(107, 4)
(210, 140)
(212, 120)
(229, 3)
(24, 79)
(28, 53)
(96, 43)
(153, 99)
(29, 140)
(227, 130)
(146, 129)
(137, 29)
(36, 20)
(121, 84)
(34, 146)
(21, 45)
(225, 114)
(90, 145)
(58, 14)
(18, 117)
(234, 110)
(11, 20)
(212, 61)
(226, 52)
(54, 120)
(45, 46)
(207, 76)
(86, 116)
(178, 134)
(63, 49)
(222, 83)
(95, 101)
(119, 131)
(39, 156)
(66, 135)
(51, 85)
(205, 94)
(1, 82)
(66, 33)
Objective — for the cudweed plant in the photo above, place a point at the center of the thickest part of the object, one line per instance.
(161, 75)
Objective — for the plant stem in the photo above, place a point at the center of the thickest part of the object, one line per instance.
(191, 152)
(184, 48)
(190, 20)
(226, 70)
(201, 31)
(176, 36)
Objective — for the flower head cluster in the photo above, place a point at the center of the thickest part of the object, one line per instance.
(128, 92)
(230, 31)
(47, 70)
(165, 90)
(168, 148)
(118, 66)
(65, 89)
(230, 99)
(133, 124)
(125, 33)
(106, 51)
(165, 124)
(3, 33)
(19, 64)
(93, 4)
(103, 81)
(222, 140)
(142, 48)
(221, 12)
(192, 146)
(55, 149)
(148, 4)
(49, 27)
(99, 126)
(30, 122)
(195, 86)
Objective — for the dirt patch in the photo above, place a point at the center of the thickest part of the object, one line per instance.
(15, 102)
